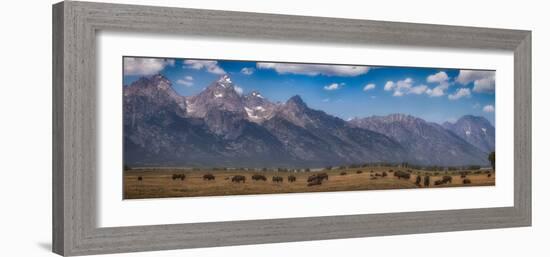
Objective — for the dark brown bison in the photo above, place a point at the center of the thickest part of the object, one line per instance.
(418, 180)
(438, 182)
(315, 182)
(277, 179)
(320, 176)
(178, 176)
(140, 178)
(466, 181)
(359, 172)
(489, 175)
(258, 177)
(402, 175)
(426, 181)
(238, 179)
(208, 176)
(343, 173)
(384, 174)
(447, 179)
(291, 178)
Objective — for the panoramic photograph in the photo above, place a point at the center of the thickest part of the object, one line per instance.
(202, 127)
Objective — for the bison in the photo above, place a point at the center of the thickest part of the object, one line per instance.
(426, 181)
(316, 182)
(238, 179)
(208, 176)
(258, 177)
(291, 178)
(401, 174)
(359, 172)
(343, 173)
(418, 180)
(178, 176)
(320, 176)
(447, 179)
(140, 178)
(277, 179)
(466, 181)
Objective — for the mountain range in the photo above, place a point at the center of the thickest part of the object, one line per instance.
(219, 127)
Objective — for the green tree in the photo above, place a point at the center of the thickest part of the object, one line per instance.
(491, 158)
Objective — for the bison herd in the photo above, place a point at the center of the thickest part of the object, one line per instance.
(317, 179)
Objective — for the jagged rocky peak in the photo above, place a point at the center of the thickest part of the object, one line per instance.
(400, 117)
(296, 102)
(225, 81)
(475, 130)
(257, 107)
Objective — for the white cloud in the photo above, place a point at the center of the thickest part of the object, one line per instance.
(404, 87)
(333, 86)
(325, 100)
(247, 70)
(436, 91)
(390, 85)
(397, 93)
(314, 69)
(186, 81)
(440, 77)
(418, 90)
(145, 66)
(368, 87)
(461, 92)
(489, 108)
(238, 89)
(484, 81)
(210, 66)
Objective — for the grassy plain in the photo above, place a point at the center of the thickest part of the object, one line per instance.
(158, 183)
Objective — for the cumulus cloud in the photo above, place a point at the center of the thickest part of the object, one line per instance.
(368, 87)
(186, 81)
(238, 89)
(418, 90)
(404, 87)
(210, 66)
(389, 86)
(442, 80)
(440, 77)
(145, 66)
(314, 69)
(461, 92)
(436, 91)
(484, 81)
(333, 86)
(489, 108)
(247, 70)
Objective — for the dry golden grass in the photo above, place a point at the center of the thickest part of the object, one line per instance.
(158, 183)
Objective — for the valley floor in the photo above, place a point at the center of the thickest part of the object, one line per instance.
(159, 183)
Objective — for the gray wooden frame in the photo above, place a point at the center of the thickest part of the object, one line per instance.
(75, 25)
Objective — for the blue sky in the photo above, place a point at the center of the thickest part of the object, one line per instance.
(346, 91)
